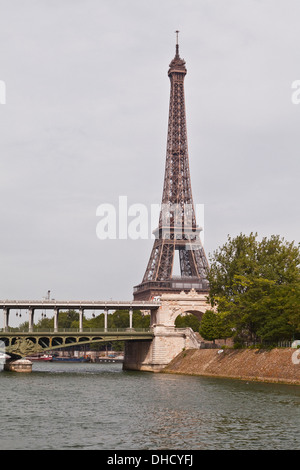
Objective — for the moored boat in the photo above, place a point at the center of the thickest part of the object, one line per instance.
(44, 357)
(70, 359)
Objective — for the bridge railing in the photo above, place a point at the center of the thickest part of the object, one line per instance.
(76, 330)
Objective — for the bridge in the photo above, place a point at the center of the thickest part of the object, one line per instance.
(81, 305)
(22, 343)
(148, 349)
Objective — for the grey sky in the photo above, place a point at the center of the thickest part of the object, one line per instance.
(86, 117)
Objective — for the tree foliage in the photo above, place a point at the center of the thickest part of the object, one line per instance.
(214, 326)
(190, 320)
(117, 319)
(255, 287)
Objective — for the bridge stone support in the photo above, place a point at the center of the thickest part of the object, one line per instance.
(6, 318)
(56, 313)
(31, 317)
(81, 319)
(105, 318)
(130, 318)
(154, 355)
(21, 365)
(168, 341)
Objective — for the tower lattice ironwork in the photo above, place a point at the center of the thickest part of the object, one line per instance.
(177, 230)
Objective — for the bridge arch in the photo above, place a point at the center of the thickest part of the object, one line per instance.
(16, 339)
(181, 304)
(189, 318)
(5, 340)
(198, 313)
(44, 341)
(84, 339)
(57, 341)
(70, 340)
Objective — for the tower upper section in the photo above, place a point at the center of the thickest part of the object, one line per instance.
(177, 183)
(177, 66)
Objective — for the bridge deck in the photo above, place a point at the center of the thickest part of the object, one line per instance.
(80, 304)
(75, 331)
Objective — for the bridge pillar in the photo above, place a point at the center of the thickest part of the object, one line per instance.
(80, 319)
(105, 318)
(56, 312)
(168, 340)
(6, 318)
(155, 355)
(31, 315)
(130, 318)
(21, 365)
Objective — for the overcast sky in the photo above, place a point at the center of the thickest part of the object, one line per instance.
(85, 121)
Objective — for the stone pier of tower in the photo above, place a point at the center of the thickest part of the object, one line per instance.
(168, 340)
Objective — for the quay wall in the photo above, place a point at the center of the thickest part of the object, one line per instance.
(275, 365)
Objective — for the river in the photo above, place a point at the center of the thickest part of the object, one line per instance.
(100, 406)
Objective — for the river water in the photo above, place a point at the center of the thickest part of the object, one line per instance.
(100, 406)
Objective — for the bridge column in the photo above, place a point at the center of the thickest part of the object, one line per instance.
(80, 319)
(6, 318)
(31, 314)
(56, 312)
(130, 318)
(105, 318)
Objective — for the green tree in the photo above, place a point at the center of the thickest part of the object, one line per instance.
(190, 320)
(255, 286)
(119, 319)
(214, 326)
(139, 320)
(208, 326)
(46, 323)
(67, 319)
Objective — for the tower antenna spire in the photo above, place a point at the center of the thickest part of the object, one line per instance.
(177, 43)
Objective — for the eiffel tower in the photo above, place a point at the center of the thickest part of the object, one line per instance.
(177, 231)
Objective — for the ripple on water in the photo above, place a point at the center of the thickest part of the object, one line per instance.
(100, 406)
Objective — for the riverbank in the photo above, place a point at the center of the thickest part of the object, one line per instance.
(275, 365)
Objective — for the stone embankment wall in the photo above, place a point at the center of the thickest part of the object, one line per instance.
(276, 365)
